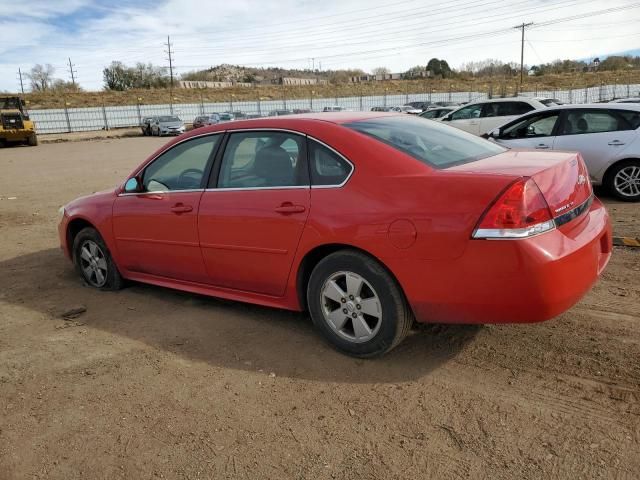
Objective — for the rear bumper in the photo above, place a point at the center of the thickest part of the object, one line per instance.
(513, 281)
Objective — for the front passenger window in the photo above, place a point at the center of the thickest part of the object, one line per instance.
(535, 126)
(180, 168)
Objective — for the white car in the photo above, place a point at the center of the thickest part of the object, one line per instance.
(605, 134)
(406, 109)
(484, 116)
(626, 100)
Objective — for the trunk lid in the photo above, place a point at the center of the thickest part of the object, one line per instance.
(561, 176)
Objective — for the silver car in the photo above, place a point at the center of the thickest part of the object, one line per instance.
(607, 135)
(167, 125)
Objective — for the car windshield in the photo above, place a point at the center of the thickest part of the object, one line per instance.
(226, 116)
(169, 119)
(437, 145)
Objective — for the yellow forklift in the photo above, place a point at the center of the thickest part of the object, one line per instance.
(15, 125)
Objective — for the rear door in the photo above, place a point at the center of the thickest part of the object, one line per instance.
(600, 135)
(532, 131)
(495, 114)
(253, 213)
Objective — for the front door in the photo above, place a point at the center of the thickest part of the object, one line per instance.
(156, 227)
(534, 131)
(253, 214)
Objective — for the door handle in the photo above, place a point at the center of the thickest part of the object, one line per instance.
(181, 208)
(288, 208)
(615, 143)
(542, 146)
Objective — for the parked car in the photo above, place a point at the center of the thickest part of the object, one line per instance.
(205, 120)
(421, 105)
(549, 102)
(167, 125)
(483, 116)
(227, 117)
(448, 104)
(399, 229)
(301, 110)
(606, 135)
(145, 125)
(381, 109)
(279, 113)
(406, 109)
(334, 108)
(435, 113)
(626, 100)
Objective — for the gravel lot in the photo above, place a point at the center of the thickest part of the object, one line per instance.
(150, 382)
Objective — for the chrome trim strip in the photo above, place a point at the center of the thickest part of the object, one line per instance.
(235, 189)
(160, 192)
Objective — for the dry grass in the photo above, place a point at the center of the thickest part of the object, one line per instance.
(499, 86)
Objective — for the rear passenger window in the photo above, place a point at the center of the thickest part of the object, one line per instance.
(503, 109)
(580, 122)
(631, 117)
(327, 167)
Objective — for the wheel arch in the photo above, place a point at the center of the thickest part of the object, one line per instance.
(316, 254)
(75, 226)
(607, 172)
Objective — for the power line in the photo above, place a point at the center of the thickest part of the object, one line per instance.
(72, 72)
(523, 26)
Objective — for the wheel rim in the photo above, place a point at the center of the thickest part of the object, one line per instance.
(627, 181)
(93, 263)
(351, 307)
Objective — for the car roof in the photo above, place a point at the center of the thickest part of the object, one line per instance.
(597, 106)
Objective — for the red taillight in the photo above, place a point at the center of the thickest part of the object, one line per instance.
(521, 211)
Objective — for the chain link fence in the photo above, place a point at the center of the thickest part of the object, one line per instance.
(105, 118)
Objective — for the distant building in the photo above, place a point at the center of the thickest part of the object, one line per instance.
(297, 81)
(209, 84)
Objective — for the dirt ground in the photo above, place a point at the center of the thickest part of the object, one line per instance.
(154, 383)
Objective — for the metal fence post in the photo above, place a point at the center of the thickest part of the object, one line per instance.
(335, 94)
(360, 99)
(138, 108)
(66, 115)
(231, 102)
(600, 92)
(406, 93)
(284, 98)
(104, 115)
(311, 100)
(385, 96)
(430, 93)
(258, 106)
(450, 87)
(201, 104)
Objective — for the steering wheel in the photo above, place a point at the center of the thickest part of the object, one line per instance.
(190, 178)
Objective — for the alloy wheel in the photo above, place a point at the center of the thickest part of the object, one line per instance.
(627, 181)
(93, 263)
(351, 307)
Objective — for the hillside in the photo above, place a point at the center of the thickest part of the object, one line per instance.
(499, 86)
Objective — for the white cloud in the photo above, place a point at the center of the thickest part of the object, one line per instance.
(338, 34)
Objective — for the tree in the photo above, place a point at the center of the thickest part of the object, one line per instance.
(117, 77)
(381, 71)
(41, 77)
(439, 67)
(64, 86)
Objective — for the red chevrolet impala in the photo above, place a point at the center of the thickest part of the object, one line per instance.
(368, 220)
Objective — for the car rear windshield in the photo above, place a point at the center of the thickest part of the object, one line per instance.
(433, 143)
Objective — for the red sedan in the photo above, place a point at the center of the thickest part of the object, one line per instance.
(368, 220)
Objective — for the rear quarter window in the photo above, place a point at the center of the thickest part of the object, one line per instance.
(432, 143)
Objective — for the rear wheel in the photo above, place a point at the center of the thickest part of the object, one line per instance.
(357, 305)
(623, 180)
(93, 261)
(32, 141)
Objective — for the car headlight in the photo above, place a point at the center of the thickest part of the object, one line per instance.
(61, 213)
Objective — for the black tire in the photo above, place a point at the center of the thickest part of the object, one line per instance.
(112, 280)
(610, 180)
(396, 316)
(32, 141)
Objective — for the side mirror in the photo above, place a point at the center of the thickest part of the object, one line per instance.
(495, 133)
(446, 118)
(132, 185)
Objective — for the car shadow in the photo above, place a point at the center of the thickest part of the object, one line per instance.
(222, 333)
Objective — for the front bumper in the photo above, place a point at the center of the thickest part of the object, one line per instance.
(171, 131)
(513, 281)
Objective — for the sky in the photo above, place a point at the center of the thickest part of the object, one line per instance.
(330, 34)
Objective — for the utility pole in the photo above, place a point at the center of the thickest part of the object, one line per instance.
(523, 26)
(72, 72)
(169, 52)
(21, 84)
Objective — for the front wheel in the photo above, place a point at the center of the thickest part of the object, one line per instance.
(623, 180)
(32, 141)
(93, 261)
(357, 305)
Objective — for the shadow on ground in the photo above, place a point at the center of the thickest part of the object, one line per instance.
(221, 333)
